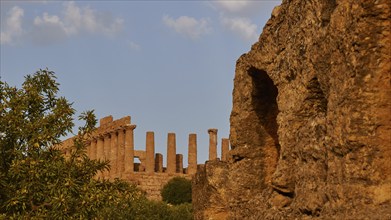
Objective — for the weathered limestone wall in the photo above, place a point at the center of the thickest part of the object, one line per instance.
(311, 118)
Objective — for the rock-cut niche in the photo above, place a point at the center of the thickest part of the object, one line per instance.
(264, 104)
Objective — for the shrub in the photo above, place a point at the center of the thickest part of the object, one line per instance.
(144, 209)
(182, 211)
(177, 191)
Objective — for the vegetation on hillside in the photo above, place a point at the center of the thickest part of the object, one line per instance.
(38, 182)
(177, 191)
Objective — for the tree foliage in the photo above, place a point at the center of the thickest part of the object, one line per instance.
(32, 118)
(37, 181)
(177, 191)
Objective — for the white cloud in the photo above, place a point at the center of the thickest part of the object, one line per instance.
(133, 46)
(77, 20)
(73, 16)
(241, 26)
(234, 6)
(49, 28)
(238, 7)
(235, 16)
(85, 19)
(48, 19)
(188, 26)
(13, 26)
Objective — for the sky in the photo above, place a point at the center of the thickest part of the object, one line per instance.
(170, 65)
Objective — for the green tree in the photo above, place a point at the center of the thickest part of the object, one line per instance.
(177, 191)
(36, 180)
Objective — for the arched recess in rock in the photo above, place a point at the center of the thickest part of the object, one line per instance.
(264, 104)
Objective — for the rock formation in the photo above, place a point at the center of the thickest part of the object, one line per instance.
(311, 119)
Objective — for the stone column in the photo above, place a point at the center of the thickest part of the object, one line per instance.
(192, 154)
(171, 152)
(129, 149)
(106, 146)
(121, 153)
(100, 153)
(158, 163)
(93, 150)
(224, 149)
(179, 163)
(212, 143)
(150, 152)
(113, 154)
(99, 148)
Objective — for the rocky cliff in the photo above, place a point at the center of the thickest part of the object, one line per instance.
(311, 119)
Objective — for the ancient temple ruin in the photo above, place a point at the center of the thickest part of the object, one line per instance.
(114, 140)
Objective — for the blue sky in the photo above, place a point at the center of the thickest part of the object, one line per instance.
(168, 64)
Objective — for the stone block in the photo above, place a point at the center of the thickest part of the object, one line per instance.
(106, 120)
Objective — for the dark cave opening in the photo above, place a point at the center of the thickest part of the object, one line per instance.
(265, 102)
(264, 105)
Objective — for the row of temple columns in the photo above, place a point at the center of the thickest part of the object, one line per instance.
(118, 147)
(154, 162)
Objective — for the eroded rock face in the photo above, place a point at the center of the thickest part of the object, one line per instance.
(311, 117)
